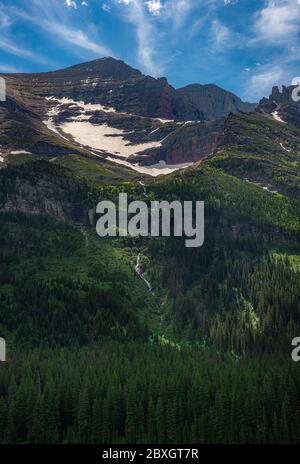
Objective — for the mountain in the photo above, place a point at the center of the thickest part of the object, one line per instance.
(112, 83)
(139, 339)
(108, 111)
(214, 102)
(281, 106)
(263, 147)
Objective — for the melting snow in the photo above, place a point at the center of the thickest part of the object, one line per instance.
(268, 189)
(81, 104)
(155, 170)
(277, 117)
(20, 152)
(264, 187)
(284, 148)
(104, 138)
(164, 121)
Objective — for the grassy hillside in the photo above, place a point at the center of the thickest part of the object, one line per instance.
(261, 150)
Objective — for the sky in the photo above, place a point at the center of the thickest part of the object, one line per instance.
(245, 46)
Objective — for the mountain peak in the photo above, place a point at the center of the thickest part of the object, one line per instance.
(215, 102)
(107, 67)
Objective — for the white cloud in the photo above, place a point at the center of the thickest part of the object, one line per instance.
(53, 19)
(220, 34)
(5, 20)
(177, 10)
(106, 7)
(71, 4)
(277, 26)
(278, 22)
(154, 7)
(146, 35)
(12, 48)
(261, 83)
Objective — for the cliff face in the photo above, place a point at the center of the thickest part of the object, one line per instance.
(214, 102)
(189, 143)
(43, 189)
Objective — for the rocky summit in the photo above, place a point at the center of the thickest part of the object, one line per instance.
(107, 110)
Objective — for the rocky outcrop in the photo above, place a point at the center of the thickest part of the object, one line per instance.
(109, 82)
(281, 102)
(213, 102)
(189, 143)
(45, 189)
(113, 83)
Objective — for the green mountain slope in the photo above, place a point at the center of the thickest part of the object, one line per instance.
(61, 286)
(262, 150)
(205, 356)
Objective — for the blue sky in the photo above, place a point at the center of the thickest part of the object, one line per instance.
(245, 46)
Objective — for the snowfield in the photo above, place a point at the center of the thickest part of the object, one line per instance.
(105, 138)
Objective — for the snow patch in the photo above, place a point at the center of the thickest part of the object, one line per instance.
(154, 170)
(284, 148)
(277, 117)
(164, 121)
(80, 104)
(104, 137)
(264, 187)
(20, 152)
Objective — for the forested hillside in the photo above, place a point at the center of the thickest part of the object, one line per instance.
(146, 393)
(94, 356)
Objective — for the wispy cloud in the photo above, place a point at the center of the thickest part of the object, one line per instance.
(12, 48)
(220, 34)
(276, 26)
(261, 83)
(278, 22)
(5, 19)
(76, 37)
(146, 35)
(9, 45)
(178, 10)
(53, 20)
(4, 68)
